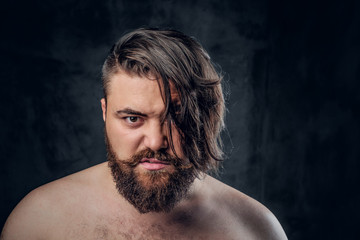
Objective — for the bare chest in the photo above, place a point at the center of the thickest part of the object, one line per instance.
(153, 232)
(119, 229)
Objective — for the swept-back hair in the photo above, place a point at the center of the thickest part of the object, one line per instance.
(180, 61)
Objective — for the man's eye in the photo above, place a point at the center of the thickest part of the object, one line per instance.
(132, 119)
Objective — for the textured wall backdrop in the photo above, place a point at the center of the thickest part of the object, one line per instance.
(291, 67)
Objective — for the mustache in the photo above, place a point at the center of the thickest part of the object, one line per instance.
(159, 155)
(148, 153)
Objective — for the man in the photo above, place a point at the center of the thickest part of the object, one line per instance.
(163, 112)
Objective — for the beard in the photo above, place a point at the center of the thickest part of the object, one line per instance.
(150, 191)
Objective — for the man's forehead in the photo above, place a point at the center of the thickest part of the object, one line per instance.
(131, 79)
(174, 93)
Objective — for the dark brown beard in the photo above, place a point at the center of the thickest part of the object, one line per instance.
(151, 191)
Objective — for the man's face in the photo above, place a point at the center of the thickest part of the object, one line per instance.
(145, 170)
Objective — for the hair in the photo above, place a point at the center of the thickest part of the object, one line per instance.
(176, 59)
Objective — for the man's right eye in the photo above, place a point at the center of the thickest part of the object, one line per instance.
(132, 119)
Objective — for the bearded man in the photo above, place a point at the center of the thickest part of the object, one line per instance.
(163, 111)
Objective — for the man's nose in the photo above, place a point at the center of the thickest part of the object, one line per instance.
(156, 137)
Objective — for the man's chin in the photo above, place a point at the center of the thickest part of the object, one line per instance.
(152, 179)
(151, 191)
(150, 188)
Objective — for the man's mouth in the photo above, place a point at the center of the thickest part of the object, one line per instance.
(153, 164)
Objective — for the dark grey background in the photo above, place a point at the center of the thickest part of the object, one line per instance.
(292, 68)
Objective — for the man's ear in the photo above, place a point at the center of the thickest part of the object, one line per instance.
(103, 107)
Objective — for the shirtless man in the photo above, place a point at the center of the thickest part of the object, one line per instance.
(163, 112)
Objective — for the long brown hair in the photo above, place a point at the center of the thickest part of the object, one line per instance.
(176, 59)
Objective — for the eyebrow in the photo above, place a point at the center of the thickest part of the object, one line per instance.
(131, 112)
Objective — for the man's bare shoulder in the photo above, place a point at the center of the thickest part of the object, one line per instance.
(45, 208)
(252, 216)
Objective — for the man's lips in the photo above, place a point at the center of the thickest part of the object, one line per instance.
(153, 164)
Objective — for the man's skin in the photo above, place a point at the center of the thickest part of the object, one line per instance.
(87, 205)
